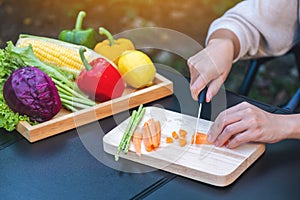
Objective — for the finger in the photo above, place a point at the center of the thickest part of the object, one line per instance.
(196, 81)
(239, 139)
(195, 63)
(197, 86)
(192, 69)
(202, 64)
(238, 107)
(225, 118)
(203, 71)
(213, 88)
(230, 131)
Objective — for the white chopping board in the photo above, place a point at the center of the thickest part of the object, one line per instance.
(206, 163)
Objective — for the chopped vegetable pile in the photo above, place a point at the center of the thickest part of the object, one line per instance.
(197, 138)
(181, 137)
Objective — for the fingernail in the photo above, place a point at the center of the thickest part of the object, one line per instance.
(217, 143)
(195, 97)
(208, 97)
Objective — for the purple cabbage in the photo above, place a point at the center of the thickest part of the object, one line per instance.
(29, 91)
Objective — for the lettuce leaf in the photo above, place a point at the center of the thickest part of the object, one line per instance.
(9, 62)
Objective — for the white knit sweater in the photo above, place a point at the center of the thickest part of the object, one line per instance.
(263, 27)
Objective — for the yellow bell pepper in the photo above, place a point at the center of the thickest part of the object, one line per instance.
(111, 48)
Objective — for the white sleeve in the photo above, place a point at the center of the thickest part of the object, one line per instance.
(263, 27)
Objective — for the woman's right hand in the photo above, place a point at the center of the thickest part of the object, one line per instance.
(210, 67)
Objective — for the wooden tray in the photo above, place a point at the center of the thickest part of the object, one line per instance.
(205, 163)
(66, 120)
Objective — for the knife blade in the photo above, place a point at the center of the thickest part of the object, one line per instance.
(201, 100)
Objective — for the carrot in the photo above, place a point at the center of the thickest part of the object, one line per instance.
(158, 131)
(151, 134)
(182, 133)
(175, 135)
(169, 140)
(147, 138)
(154, 133)
(201, 138)
(182, 142)
(137, 138)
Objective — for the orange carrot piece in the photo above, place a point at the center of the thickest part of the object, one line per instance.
(169, 140)
(137, 142)
(182, 142)
(175, 135)
(147, 138)
(201, 138)
(182, 133)
(158, 131)
(153, 132)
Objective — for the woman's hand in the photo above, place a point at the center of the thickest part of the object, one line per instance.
(244, 123)
(211, 67)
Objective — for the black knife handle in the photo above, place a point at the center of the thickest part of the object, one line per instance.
(202, 95)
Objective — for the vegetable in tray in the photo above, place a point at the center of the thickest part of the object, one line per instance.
(13, 58)
(29, 91)
(65, 86)
(111, 48)
(100, 80)
(9, 63)
(137, 68)
(86, 37)
(40, 75)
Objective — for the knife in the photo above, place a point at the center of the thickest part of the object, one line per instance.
(201, 100)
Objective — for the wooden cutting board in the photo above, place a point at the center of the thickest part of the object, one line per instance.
(205, 163)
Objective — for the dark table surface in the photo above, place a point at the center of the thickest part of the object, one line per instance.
(61, 167)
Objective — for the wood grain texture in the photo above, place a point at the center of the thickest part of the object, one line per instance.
(66, 120)
(205, 163)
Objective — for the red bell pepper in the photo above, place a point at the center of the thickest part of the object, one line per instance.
(100, 80)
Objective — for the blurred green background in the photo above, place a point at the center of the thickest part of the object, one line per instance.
(275, 83)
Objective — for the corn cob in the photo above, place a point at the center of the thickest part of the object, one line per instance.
(57, 53)
(54, 54)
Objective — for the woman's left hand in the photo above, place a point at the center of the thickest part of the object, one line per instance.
(244, 123)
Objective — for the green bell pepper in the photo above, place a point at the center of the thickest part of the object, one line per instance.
(85, 37)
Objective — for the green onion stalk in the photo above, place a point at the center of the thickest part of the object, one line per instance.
(132, 125)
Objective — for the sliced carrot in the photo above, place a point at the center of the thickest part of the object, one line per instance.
(175, 135)
(148, 128)
(137, 142)
(153, 132)
(182, 133)
(182, 142)
(146, 139)
(158, 131)
(169, 140)
(201, 138)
